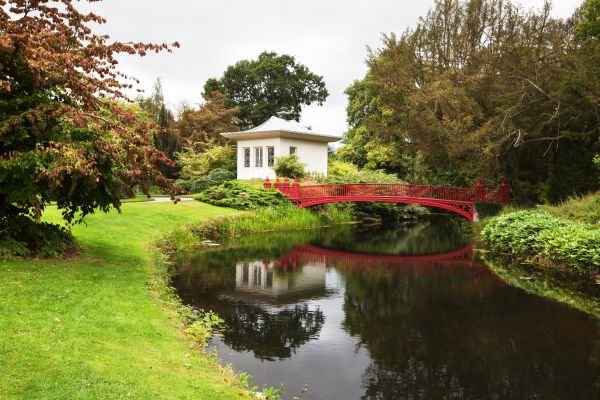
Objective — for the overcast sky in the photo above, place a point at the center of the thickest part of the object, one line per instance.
(329, 36)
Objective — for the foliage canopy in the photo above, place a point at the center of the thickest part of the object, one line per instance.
(60, 138)
(272, 85)
(482, 89)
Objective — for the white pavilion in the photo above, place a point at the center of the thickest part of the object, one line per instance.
(258, 147)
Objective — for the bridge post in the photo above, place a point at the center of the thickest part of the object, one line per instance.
(277, 184)
(267, 184)
(505, 191)
(295, 189)
(480, 192)
(286, 186)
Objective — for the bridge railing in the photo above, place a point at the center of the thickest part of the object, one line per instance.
(380, 190)
(383, 190)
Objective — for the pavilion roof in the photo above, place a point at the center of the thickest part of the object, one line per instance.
(277, 127)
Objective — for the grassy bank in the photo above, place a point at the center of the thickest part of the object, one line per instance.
(88, 327)
(546, 240)
(582, 210)
(269, 219)
(550, 251)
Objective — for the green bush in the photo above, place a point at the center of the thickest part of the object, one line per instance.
(242, 196)
(22, 236)
(213, 178)
(289, 166)
(517, 232)
(576, 244)
(532, 233)
(346, 174)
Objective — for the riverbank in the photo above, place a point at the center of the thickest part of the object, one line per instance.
(551, 251)
(88, 327)
(104, 323)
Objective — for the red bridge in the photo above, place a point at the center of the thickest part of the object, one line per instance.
(458, 200)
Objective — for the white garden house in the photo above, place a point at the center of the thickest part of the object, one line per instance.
(258, 147)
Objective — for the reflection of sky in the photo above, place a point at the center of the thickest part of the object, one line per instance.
(315, 359)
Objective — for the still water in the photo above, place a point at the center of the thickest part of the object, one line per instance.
(402, 313)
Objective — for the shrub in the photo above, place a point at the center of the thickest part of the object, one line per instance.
(289, 166)
(341, 168)
(349, 175)
(532, 233)
(197, 163)
(213, 178)
(577, 245)
(517, 232)
(241, 196)
(22, 236)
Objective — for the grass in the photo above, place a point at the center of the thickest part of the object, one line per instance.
(89, 328)
(262, 220)
(137, 199)
(584, 210)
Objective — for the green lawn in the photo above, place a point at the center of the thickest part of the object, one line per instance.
(89, 328)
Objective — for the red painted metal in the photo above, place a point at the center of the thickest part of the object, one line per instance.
(459, 200)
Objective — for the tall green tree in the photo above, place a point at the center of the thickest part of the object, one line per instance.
(482, 89)
(270, 85)
(588, 26)
(167, 137)
(60, 139)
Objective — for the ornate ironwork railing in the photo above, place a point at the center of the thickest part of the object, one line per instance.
(376, 191)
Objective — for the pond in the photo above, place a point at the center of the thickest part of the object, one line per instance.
(388, 313)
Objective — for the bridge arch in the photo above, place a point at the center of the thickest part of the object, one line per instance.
(464, 209)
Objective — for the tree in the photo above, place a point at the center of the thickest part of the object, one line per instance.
(197, 163)
(588, 26)
(167, 138)
(61, 139)
(481, 89)
(202, 127)
(272, 85)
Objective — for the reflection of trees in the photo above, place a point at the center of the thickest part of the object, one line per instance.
(440, 235)
(445, 338)
(272, 335)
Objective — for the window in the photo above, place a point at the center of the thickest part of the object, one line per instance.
(270, 156)
(258, 157)
(293, 149)
(247, 157)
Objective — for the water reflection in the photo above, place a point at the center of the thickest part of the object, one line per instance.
(373, 314)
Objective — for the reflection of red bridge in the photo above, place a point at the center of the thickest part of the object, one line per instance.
(458, 200)
(453, 261)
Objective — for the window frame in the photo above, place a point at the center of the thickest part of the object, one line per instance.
(270, 156)
(295, 151)
(246, 157)
(258, 156)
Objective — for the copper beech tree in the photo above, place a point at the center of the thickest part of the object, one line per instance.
(66, 132)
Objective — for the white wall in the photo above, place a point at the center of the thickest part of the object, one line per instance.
(313, 154)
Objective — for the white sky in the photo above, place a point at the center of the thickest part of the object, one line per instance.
(328, 36)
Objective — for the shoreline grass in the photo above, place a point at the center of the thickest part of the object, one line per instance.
(262, 220)
(88, 327)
